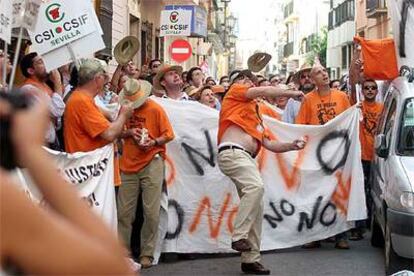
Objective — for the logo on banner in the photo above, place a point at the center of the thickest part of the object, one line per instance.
(174, 17)
(53, 13)
(175, 23)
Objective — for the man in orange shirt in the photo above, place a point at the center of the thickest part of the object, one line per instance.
(241, 134)
(85, 127)
(371, 111)
(318, 107)
(33, 68)
(142, 167)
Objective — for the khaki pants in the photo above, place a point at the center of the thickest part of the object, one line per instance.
(149, 182)
(243, 171)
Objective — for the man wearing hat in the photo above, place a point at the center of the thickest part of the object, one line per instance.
(303, 80)
(142, 166)
(240, 136)
(169, 80)
(85, 127)
(124, 52)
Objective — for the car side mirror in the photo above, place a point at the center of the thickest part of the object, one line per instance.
(381, 148)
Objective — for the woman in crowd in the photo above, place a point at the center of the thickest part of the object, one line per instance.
(206, 96)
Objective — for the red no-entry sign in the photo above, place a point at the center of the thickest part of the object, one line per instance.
(180, 50)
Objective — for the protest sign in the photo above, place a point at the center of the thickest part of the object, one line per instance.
(5, 20)
(175, 23)
(70, 32)
(92, 173)
(25, 13)
(310, 194)
(60, 23)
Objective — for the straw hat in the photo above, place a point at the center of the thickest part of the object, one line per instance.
(135, 91)
(191, 90)
(165, 69)
(305, 67)
(258, 61)
(126, 49)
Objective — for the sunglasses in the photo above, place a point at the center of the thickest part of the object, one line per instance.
(370, 87)
(305, 76)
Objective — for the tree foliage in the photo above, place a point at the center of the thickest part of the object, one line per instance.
(319, 45)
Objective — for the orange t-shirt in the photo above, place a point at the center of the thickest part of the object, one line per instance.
(265, 109)
(317, 110)
(83, 123)
(39, 85)
(152, 117)
(239, 110)
(371, 113)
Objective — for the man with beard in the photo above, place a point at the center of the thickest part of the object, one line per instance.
(303, 80)
(38, 82)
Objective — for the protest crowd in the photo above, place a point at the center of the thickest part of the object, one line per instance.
(80, 107)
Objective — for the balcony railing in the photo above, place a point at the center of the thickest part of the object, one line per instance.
(376, 8)
(288, 49)
(288, 10)
(342, 13)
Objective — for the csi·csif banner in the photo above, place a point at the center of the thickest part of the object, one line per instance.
(310, 194)
(92, 173)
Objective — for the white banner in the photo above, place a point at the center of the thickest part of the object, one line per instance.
(309, 195)
(93, 175)
(5, 20)
(175, 23)
(25, 13)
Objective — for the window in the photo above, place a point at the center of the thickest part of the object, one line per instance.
(389, 123)
(406, 139)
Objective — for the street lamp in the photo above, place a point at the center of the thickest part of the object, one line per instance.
(231, 21)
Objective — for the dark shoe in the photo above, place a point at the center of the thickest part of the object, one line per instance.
(356, 236)
(311, 245)
(254, 268)
(187, 256)
(242, 245)
(330, 240)
(343, 244)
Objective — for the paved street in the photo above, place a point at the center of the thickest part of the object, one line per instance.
(361, 259)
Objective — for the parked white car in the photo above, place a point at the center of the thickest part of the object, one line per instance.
(392, 178)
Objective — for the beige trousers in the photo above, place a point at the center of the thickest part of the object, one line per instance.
(149, 182)
(241, 168)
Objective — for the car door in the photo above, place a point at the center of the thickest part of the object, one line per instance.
(380, 165)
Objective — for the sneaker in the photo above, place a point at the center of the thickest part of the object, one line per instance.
(342, 244)
(311, 245)
(146, 262)
(254, 268)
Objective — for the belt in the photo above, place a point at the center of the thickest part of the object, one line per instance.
(223, 148)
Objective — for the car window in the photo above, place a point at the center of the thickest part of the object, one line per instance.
(389, 123)
(387, 104)
(406, 141)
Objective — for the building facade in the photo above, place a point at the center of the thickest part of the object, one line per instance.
(304, 21)
(141, 18)
(341, 31)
